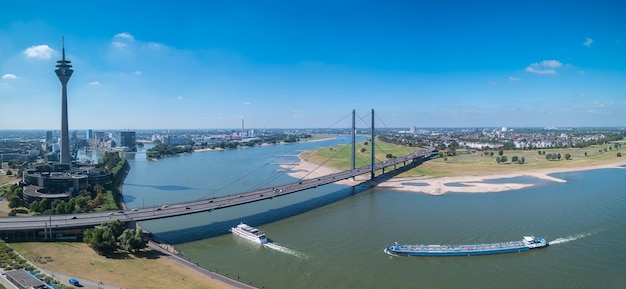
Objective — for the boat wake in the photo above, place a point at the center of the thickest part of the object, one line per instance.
(285, 250)
(569, 239)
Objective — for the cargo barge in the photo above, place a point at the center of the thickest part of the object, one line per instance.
(527, 243)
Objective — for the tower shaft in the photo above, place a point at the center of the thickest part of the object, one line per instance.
(65, 136)
(64, 72)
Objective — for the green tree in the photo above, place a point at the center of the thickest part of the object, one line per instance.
(81, 204)
(100, 240)
(508, 145)
(504, 159)
(619, 154)
(500, 152)
(9, 173)
(389, 156)
(568, 156)
(132, 240)
(514, 159)
(15, 202)
(116, 227)
(498, 159)
(585, 153)
(521, 160)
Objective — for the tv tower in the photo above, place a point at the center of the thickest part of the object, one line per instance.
(64, 72)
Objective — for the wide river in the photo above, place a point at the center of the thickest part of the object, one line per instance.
(333, 236)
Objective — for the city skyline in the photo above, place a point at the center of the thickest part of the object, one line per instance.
(307, 65)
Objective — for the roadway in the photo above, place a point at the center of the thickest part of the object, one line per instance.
(193, 207)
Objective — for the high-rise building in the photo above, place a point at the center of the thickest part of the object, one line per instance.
(64, 72)
(125, 139)
(49, 140)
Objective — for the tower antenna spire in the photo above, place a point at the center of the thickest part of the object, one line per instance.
(63, 44)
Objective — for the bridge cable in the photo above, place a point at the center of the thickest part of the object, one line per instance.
(271, 163)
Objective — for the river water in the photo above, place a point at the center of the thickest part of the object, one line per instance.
(333, 236)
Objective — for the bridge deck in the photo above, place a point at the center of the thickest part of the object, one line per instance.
(185, 208)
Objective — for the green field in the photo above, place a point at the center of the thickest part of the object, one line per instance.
(339, 156)
(468, 163)
(147, 270)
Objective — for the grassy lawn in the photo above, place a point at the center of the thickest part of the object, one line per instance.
(4, 179)
(339, 156)
(147, 270)
(466, 164)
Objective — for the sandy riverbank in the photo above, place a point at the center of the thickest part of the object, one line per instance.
(442, 185)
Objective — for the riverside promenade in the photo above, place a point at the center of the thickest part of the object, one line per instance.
(193, 266)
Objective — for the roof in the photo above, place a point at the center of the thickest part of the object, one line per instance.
(23, 279)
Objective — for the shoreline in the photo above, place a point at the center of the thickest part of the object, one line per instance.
(263, 144)
(442, 185)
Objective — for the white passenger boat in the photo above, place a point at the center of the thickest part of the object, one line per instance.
(249, 233)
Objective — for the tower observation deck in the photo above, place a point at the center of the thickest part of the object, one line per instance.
(64, 72)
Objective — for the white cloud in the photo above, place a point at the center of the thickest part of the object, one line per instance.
(94, 83)
(125, 35)
(39, 51)
(602, 104)
(246, 103)
(179, 97)
(544, 67)
(137, 72)
(514, 79)
(154, 45)
(9, 76)
(119, 44)
(588, 42)
(122, 40)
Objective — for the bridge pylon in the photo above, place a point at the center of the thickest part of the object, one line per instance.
(373, 174)
(353, 165)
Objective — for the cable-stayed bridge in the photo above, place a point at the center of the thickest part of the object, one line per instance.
(37, 226)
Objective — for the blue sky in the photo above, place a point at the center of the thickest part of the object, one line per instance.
(297, 64)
